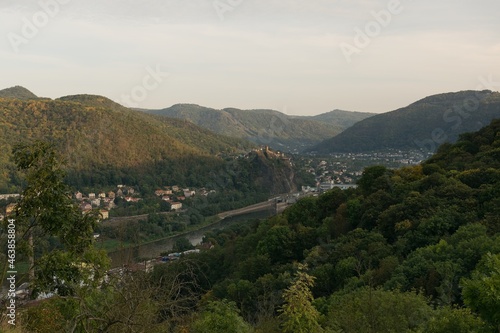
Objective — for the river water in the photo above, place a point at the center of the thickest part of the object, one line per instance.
(153, 249)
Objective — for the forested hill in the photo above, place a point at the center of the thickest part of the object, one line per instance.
(344, 119)
(473, 151)
(424, 124)
(265, 127)
(415, 249)
(17, 92)
(410, 250)
(105, 143)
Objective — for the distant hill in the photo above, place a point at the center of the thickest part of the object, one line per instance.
(17, 92)
(105, 143)
(422, 125)
(264, 127)
(340, 118)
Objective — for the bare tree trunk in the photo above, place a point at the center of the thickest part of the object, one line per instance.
(31, 272)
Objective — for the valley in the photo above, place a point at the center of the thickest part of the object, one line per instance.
(148, 196)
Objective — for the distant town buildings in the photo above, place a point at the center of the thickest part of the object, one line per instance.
(104, 214)
(9, 210)
(105, 201)
(175, 206)
(8, 196)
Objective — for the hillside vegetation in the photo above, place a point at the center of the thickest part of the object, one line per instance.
(423, 125)
(264, 127)
(17, 92)
(410, 250)
(344, 119)
(104, 143)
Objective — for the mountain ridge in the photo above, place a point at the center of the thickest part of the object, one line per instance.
(340, 117)
(262, 126)
(17, 92)
(422, 125)
(104, 142)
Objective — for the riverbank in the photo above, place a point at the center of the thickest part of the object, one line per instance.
(152, 249)
(111, 245)
(269, 207)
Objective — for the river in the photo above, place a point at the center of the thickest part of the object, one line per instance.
(153, 249)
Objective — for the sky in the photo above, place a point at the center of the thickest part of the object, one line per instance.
(300, 57)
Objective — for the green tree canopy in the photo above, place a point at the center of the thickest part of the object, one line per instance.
(45, 209)
(482, 291)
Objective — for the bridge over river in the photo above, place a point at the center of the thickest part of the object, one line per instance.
(271, 205)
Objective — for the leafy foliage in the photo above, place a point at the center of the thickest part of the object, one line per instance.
(46, 207)
(482, 290)
(298, 313)
(366, 310)
(421, 228)
(220, 316)
(398, 254)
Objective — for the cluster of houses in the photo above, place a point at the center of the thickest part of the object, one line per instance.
(336, 173)
(167, 195)
(9, 209)
(330, 177)
(175, 194)
(105, 200)
(344, 169)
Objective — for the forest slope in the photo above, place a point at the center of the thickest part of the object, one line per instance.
(432, 228)
(104, 143)
(424, 124)
(264, 127)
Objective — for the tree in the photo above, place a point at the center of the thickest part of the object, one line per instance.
(454, 320)
(482, 291)
(220, 316)
(45, 209)
(182, 244)
(278, 244)
(330, 201)
(374, 178)
(304, 212)
(369, 310)
(298, 313)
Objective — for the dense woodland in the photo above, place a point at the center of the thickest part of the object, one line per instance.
(411, 250)
(104, 144)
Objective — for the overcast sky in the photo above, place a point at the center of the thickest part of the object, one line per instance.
(300, 57)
